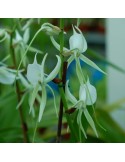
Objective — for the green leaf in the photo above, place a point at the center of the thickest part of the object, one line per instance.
(113, 133)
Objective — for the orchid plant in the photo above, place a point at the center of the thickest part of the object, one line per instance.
(35, 80)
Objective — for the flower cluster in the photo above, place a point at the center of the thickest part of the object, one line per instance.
(36, 80)
(87, 92)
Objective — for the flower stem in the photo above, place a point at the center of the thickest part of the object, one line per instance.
(63, 102)
(62, 76)
(23, 123)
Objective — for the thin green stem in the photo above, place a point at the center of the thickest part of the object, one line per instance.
(63, 102)
(61, 76)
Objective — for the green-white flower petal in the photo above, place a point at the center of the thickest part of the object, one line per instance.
(26, 36)
(6, 77)
(84, 40)
(70, 59)
(54, 99)
(69, 96)
(91, 94)
(33, 96)
(24, 81)
(82, 93)
(79, 122)
(79, 71)
(42, 67)
(55, 71)
(90, 121)
(34, 72)
(77, 41)
(43, 103)
(91, 63)
(18, 37)
(56, 45)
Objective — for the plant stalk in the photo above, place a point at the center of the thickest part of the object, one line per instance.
(22, 119)
(63, 102)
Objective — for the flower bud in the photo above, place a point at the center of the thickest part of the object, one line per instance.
(50, 29)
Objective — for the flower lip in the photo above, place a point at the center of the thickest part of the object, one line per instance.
(77, 40)
(35, 72)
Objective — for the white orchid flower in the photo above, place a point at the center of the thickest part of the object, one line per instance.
(78, 45)
(87, 96)
(38, 79)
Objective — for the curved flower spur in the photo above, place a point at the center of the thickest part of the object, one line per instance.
(39, 80)
(85, 99)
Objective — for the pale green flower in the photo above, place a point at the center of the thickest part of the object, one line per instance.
(39, 80)
(87, 96)
(78, 45)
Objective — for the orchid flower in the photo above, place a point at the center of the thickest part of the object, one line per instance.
(87, 96)
(37, 77)
(78, 45)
